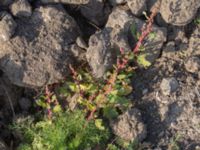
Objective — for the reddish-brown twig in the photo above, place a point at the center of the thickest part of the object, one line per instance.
(121, 63)
(48, 95)
(76, 80)
(147, 28)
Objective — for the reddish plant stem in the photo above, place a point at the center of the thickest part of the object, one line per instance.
(121, 64)
(147, 28)
(48, 95)
(75, 77)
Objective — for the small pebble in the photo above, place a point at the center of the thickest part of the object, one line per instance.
(169, 85)
(192, 65)
(7, 26)
(21, 8)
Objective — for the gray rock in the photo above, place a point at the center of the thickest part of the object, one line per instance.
(129, 126)
(169, 85)
(193, 64)
(25, 103)
(137, 6)
(21, 8)
(117, 2)
(179, 12)
(100, 53)
(40, 51)
(169, 49)
(103, 48)
(77, 2)
(78, 52)
(194, 42)
(81, 43)
(7, 26)
(96, 11)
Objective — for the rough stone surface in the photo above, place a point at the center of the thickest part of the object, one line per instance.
(137, 6)
(25, 103)
(168, 85)
(7, 26)
(81, 43)
(96, 11)
(100, 53)
(21, 8)
(129, 126)
(117, 2)
(103, 48)
(77, 2)
(39, 52)
(193, 64)
(179, 12)
(194, 42)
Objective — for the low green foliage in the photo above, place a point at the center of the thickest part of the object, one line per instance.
(197, 21)
(66, 130)
(174, 143)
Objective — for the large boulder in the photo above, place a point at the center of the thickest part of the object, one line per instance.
(96, 11)
(21, 8)
(179, 12)
(39, 52)
(77, 2)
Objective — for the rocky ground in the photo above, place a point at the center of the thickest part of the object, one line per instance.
(40, 38)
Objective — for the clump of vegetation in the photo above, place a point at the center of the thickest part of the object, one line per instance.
(81, 125)
(65, 130)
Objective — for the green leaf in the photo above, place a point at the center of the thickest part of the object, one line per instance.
(125, 90)
(197, 21)
(152, 35)
(63, 91)
(131, 56)
(141, 59)
(112, 147)
(121, 76)
(41, 103)
(57, 109)
(110, 113)
(75, 143)
(99, 124)
(72, 86)
(134, 31)
(53, 98)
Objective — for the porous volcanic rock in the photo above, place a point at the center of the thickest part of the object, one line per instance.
(77, 2)
(21, 8)
(179, 12)
(129, 126)
(39, 51)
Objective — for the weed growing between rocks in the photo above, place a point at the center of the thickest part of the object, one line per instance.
(78, 111)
